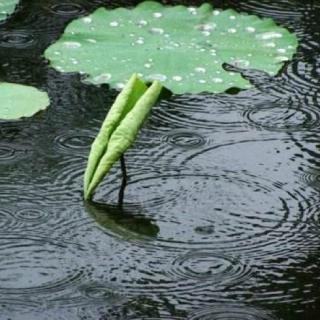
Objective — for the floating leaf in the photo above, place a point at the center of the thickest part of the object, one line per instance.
(183, 47)
(119, 129)
(7, 7)
(19, 101)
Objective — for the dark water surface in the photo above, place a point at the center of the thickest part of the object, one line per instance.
(221, 214)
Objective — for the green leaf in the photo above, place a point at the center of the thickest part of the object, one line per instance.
(19, 101)
(182, 47)
(7, 7)
(119, 130)
(123, 104)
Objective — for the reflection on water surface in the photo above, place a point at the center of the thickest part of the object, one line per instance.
(220, 218)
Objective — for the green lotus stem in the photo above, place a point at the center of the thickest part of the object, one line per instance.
(119, 130)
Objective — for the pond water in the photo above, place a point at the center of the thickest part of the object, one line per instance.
(220, 218)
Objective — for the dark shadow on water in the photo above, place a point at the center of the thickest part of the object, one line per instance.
(121, 220)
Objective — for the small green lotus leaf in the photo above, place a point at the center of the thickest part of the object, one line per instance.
(119, 130)
(19, 101)
(183, 47)
(7, 7)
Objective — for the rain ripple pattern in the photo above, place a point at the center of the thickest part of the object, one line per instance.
(220, 218)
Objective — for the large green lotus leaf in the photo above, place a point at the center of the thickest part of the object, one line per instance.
(183, 47)
(7, 7)
(19, 101)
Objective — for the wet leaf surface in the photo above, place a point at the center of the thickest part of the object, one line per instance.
(19, 101)
(183, 47)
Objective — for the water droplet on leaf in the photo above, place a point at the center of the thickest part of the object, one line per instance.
(200, 69)
(157, 30)
(217, 80)
(142, 23)
(157, 15)
(177, 78)
(159, 77)
(72, 44)
(114, 24)
(269, 35)
(140, 41)
(87, 20)
(250, 29)
(192, 10)
(102, 78)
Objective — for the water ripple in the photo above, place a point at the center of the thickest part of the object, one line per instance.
(31, 215)
(283, 118)
(32, 265)
(221, 312)
(54, 181)
(74, 142)
(23, 219)
(7, 153)
(19, 39)
(310, 177)
(184, 139)
(61, 184)
(253, 214)
(12, 152)
(66, 9)
(222, 201)
(6, 220)
(217, 268)
(158, 318)
(197, 112)
(17, 306)
(281, 8)
(102, 292)
(303, 75)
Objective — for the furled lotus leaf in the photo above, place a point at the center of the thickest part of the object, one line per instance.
(183, 47)
(19, 101)
(7, 7)
(119, 130)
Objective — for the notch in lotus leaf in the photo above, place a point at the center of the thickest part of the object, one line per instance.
(119, 130)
